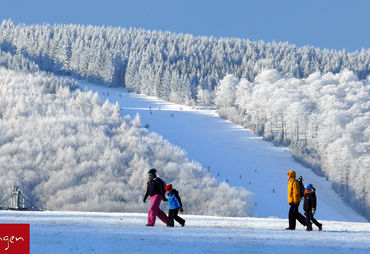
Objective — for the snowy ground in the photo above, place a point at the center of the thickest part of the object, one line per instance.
(73, 232)
(231, 153)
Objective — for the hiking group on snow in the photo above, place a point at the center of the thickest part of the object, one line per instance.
(296, 192)
(156, 189)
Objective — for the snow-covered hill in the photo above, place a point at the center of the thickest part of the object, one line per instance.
(113, 233)
(230, 153)
(70, 152)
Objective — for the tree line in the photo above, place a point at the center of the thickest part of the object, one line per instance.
(167, 65)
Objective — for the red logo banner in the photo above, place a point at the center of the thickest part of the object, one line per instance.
(14, 238)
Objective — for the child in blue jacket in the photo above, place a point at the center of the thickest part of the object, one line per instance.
(174, 205)
(309, 207)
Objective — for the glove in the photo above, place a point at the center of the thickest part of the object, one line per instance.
(313, 211)
(164, 199)
(181, 210)
(144, 200)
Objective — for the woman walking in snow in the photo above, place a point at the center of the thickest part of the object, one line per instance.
(174, 205)
(155, 189)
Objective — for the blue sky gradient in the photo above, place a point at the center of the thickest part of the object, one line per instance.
(331, 24)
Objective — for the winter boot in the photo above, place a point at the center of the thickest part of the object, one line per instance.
(320, 227)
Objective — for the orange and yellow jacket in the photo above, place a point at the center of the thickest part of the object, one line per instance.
(294, 195)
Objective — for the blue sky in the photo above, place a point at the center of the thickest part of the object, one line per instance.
(332, 24)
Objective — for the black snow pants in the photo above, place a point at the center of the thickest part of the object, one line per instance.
(295, 215)
(310, 218)
(173, 215)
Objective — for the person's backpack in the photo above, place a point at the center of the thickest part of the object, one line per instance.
(161, 184)
(301, 186)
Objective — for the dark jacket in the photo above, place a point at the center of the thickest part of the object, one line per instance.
(155, 187)
(309, 200)
(174, 200)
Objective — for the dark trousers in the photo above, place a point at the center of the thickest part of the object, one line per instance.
(310, 218)
(173, 215)
(295, 215)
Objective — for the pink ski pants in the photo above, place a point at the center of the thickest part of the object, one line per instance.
(155, 210)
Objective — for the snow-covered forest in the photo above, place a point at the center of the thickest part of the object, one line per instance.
(316, 101)
(167, 65)
(324, 118)
(70, 151)
(17, 62)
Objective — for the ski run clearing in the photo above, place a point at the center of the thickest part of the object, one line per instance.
(108, 233)
(231, 153)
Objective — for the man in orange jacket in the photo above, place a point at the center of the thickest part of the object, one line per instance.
(294, 198)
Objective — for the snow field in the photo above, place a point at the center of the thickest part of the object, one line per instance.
(80, 232)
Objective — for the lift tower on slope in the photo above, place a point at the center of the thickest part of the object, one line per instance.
(16, 200)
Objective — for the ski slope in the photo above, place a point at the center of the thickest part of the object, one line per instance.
(230, 153)
(113, 233)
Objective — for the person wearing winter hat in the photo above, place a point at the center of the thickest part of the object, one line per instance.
(309, 207)
(294, 198)
(174, 205)
(155, 189)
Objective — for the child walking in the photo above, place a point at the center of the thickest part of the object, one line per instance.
(174, 205)
(309, 207)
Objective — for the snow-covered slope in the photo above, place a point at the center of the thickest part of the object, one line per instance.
(69, 152)
(231, 153)
(113, 233)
